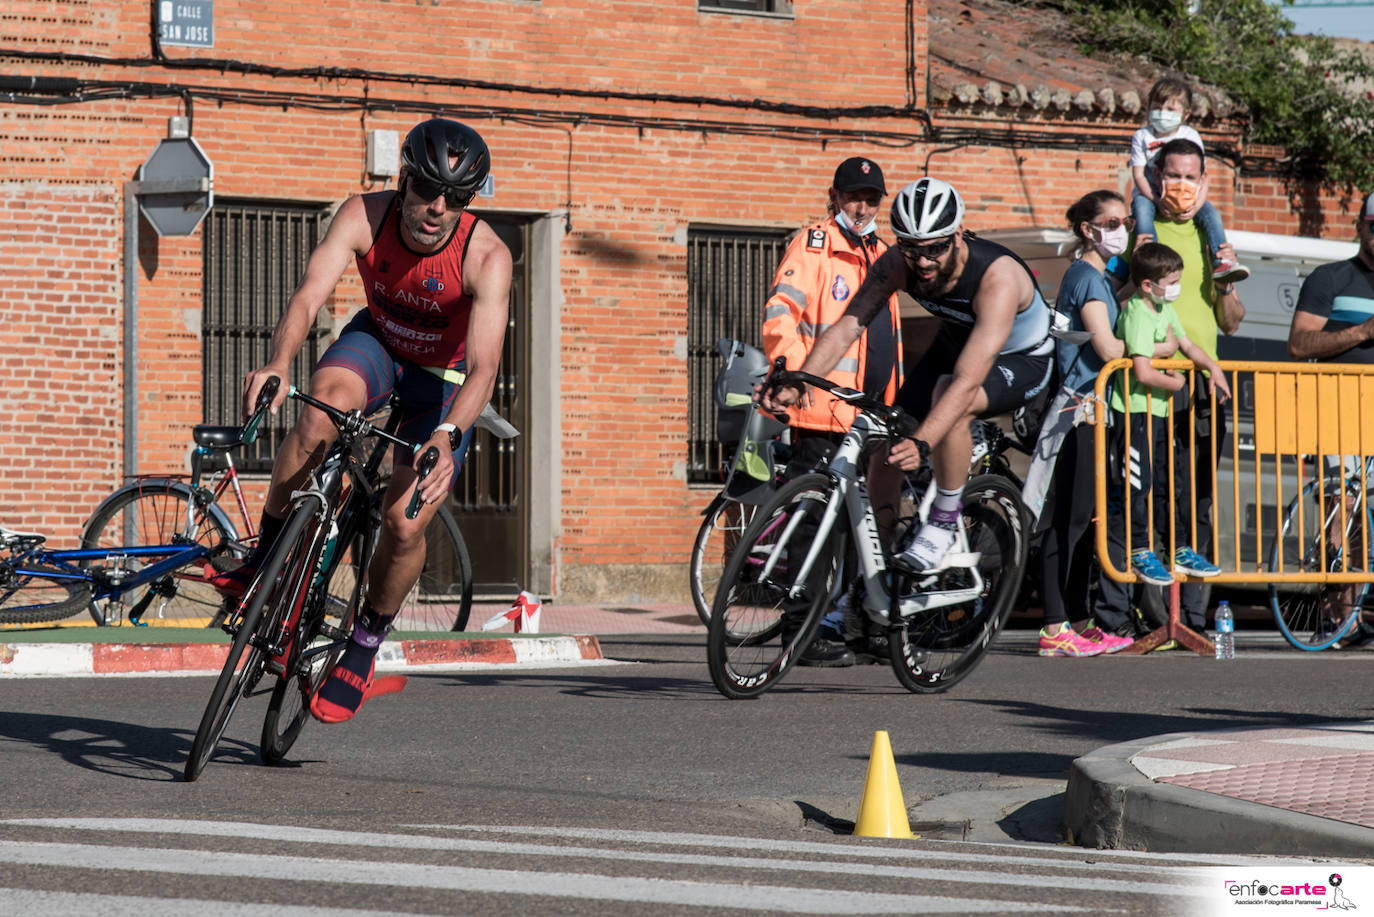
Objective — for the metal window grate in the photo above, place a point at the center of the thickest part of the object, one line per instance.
(729, 272)
(255, 252)
(495, 468)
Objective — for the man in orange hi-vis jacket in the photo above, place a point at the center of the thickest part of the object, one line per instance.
(824, 265)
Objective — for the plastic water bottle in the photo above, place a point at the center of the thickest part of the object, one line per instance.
(1225, 640)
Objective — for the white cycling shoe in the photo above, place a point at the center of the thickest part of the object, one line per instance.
(933, 547)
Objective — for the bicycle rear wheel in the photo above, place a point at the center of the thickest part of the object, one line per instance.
(933, 650)
(264, 604)
(151, 513)
(1313, 616)
(721, 529)
(42, 593)
(749, 644)
(325, 624)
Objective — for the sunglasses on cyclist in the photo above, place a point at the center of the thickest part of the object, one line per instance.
(930, 251)
(1114, 224)
(427, 190)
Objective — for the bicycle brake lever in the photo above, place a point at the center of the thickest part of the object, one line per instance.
(265, 396)
(426, 465)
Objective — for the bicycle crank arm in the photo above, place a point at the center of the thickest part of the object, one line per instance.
(955, 560)
(912, 605)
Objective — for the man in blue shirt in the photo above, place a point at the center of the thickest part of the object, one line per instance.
(1334, 318)
(1334, 323)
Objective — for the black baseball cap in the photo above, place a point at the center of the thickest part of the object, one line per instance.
(856, 172)
(1367, 211)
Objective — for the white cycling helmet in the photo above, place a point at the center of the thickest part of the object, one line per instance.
(926, 209)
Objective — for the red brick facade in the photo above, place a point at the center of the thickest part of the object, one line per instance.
(661, 128)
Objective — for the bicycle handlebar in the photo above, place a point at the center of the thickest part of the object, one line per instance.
(351, 422)
(898, 421)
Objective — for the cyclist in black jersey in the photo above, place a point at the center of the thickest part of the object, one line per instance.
(992, 354)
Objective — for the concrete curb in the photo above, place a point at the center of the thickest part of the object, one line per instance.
(75, 659)
(1110, 804)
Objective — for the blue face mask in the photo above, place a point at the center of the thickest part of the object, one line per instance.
(847, 223)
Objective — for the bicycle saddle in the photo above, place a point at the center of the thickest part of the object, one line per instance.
(213, 437)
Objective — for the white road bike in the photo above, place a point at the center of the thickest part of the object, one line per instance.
(795, 559)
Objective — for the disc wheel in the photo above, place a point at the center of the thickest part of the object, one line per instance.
(767, 608)
(934, 649)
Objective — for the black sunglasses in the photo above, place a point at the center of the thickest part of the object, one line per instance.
(427, 190)
(930, 251)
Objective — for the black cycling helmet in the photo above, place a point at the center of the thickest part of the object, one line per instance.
(431, 145)
(926, 209)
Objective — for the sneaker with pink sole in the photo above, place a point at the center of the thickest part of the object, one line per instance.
(1111, 642)
(1068, 642)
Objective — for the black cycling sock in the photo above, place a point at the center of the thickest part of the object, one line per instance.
(269, 527)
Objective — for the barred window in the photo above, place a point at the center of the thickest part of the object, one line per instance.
(729, 271)
(255, 253)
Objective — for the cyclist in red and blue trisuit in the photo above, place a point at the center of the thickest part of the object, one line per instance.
(437, 281)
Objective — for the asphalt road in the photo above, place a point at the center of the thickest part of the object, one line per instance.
(574, 761)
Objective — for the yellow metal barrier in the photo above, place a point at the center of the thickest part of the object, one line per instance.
(1296, 508)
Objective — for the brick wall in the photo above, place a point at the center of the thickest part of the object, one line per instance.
(60, 327)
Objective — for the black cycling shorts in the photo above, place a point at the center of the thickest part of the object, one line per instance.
(1015, 378)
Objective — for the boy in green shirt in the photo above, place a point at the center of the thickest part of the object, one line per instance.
(1148, 318)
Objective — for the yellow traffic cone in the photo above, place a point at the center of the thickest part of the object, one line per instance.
(881, 810)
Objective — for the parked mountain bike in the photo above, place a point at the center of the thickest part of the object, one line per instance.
(175, 511)
(1328, 527)
(293, 621)
(793, 558)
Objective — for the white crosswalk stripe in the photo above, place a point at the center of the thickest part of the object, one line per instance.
(750, 874)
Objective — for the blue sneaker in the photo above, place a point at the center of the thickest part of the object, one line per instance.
(1188, 561)
(1149, 568)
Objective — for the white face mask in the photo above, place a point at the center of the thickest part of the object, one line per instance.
(1172, 292)
(1111, 242)
(843, 219)
(1165, 122)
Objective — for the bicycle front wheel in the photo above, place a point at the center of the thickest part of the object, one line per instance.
(40, 593)
(153, 513)
(936, 648)
(267, 600)
(1313, 616)
(442, 597)
(721, 529)
(767, 608)
(325, 622)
